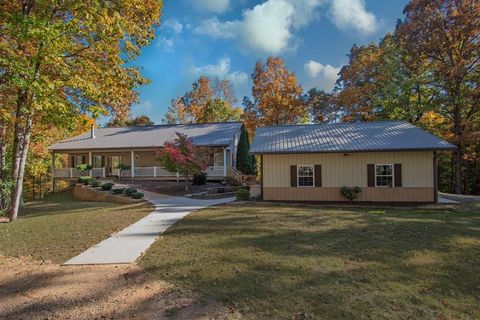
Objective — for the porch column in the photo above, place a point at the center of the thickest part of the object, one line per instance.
(224, 162)
(132, 161)
(90, 162)
(53, 171)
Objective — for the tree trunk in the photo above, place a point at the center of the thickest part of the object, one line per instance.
(457, 122)
(21, 142)
(3, 151)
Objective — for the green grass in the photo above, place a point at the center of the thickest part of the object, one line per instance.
(281, 262)
(59, 228)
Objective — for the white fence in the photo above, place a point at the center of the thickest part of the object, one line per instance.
(140, 172)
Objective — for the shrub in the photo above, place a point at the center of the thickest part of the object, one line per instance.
(96, 183)
(83, 167)
(107, 186)
(350, 193)
(136, 195)
(199, 179)
(129, 191)
(243, 194)
(118, 191)
(85, 180)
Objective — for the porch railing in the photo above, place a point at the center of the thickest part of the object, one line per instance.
(140, 172)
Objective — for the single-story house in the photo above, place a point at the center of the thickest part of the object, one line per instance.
(391, 161)
(105, 149)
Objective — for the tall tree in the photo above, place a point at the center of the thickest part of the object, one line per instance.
(245, 162)
(322, 106)
(277, 97)
(62, 59)
(446, 34)
(210, 100)
(139, 121)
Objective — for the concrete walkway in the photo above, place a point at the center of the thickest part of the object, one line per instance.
(129, 244)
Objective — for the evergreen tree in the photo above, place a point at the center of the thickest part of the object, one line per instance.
(245, 162)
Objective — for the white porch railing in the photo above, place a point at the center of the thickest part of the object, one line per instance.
(140, 172)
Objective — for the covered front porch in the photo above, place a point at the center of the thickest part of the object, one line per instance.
(133, 164)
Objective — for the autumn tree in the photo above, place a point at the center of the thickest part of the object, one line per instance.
(277, 97)
(139, 121)
(59, 60)
(210, 100)
(445, 34)
(182, 156)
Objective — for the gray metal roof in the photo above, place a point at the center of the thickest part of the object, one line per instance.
(345, 137)
(207, 134)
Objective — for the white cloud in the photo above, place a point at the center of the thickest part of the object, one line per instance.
(222, 71)
(352, 14)
(166, 44)
(213, 6)
(174, 25)
(324, 76)
(143, 107)
(269, 27)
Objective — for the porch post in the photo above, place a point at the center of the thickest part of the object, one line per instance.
(224, 162)
(90, 162)
(53, 171)
(132, 166)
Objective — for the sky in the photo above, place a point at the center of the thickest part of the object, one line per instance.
(225, 38)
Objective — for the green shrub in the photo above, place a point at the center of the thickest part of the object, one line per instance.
(199, 179)
(96, 183)
(83, 167)
(85, 180)
(107, 186)
(118, 191)
(129, 191)
(243, 194)
(136, 195)
(350, 193)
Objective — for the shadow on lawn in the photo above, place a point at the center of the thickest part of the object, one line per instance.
(342, 264)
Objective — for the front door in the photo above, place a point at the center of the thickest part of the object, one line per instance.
(114, 163)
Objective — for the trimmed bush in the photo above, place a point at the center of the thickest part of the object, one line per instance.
(118, 191)
(129, 191)
(85, 180)
(350, 193)
(136, 195)
(107, 186)
(243, 194)
(96, 183)
(199, 179)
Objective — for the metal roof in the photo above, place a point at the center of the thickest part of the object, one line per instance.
(345, 137)
(206, 134)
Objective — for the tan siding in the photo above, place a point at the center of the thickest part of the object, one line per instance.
(339, 170)
(333, 194)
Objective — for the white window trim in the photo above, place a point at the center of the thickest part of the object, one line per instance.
(393, 174)
(298, 176)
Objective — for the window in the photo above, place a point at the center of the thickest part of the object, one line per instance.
(384, 175)
(218, 159)
(97, 161)
(305, 176)
(77, 160)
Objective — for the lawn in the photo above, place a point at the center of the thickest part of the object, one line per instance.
(59, 228)
(286, 262)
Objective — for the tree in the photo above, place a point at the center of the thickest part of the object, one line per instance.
(62, 59)
(321, 105)
(245, 162)
(210, 100)
(182, 156)
(277, 97)
(445, 34)
(139, 121)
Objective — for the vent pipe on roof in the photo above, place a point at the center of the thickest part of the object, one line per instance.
(92, 131)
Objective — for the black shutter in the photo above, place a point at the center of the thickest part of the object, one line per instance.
(83, 160)
(371, 175)
(72, 163)
(397, 171)
(102, 161)
(318, 175)
(293, 176)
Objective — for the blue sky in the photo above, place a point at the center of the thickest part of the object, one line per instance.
(225, 38)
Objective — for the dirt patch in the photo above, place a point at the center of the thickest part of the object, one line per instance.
(30, 289)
